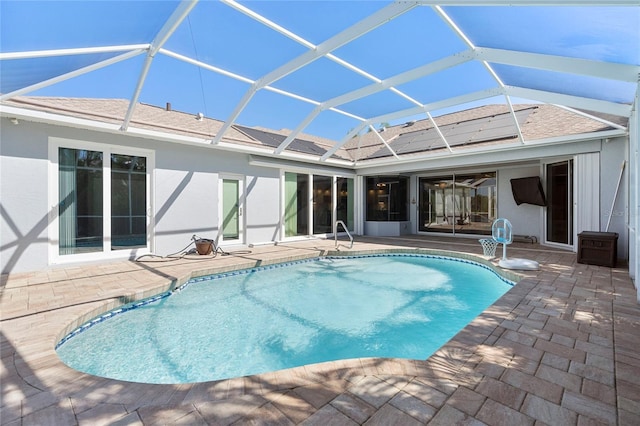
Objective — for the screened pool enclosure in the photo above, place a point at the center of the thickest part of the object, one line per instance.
(414, 112)
(329, 68)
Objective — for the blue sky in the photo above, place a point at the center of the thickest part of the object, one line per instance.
(217, 34)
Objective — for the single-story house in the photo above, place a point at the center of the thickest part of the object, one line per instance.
(75, 188)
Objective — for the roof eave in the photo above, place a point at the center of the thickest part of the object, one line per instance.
(428, 157)
(114, 128)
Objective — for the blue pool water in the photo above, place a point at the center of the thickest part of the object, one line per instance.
(217, 327)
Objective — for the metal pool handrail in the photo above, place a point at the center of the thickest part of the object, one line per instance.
(335, 234)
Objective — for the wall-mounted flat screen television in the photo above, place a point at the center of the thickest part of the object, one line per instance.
(528, 190)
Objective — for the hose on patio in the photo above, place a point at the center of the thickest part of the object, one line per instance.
(187, 253)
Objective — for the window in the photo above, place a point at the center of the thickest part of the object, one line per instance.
(464, 203)
(103, 199)
(387, 198)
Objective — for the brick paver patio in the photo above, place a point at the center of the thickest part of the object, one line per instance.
(560, 348)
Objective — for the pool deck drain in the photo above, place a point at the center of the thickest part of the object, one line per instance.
(561, 348)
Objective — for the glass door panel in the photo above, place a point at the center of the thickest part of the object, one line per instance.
(463, 204)
(230, 209)
(436, 204)
(296, 199)
(345, 202)
(560, 202)
(475, 203)
(80, 212)
(322, 204)
(128, 202)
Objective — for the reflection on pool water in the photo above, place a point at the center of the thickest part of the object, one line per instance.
(282, 316)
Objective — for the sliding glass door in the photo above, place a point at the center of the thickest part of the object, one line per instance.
(322, 204)
(102, 201)
(80, 207)
(317, 200)
(128, 202)
(464, 203)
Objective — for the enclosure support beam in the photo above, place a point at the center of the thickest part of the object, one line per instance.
(176, 18)
(369, 23)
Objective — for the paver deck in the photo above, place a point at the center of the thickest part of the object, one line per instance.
(560, 348)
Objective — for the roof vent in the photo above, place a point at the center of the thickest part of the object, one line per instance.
(199, 116)
(168, 107)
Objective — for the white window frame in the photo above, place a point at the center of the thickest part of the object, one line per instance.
(53, 229)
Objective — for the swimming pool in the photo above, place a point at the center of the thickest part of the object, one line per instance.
(287, 315)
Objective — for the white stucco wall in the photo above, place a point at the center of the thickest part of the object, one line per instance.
(185, 185)
(184, 192)
(185, 201)
(526, 219)
(24, 204)
(613, 153)
(262, 211)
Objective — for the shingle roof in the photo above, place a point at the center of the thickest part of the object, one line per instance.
(167, 120)
(484, 125)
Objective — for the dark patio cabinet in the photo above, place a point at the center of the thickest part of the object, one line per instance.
(598, 248)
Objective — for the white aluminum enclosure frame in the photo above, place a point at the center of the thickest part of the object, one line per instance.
(487, 57)
(484, 55)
